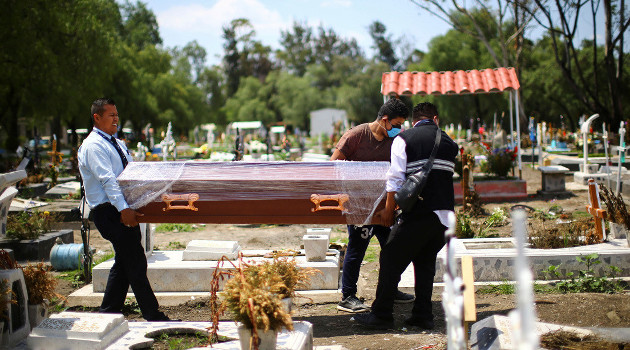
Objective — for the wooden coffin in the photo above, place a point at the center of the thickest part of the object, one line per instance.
(255, 192)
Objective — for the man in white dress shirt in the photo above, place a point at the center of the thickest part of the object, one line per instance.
(101, 159)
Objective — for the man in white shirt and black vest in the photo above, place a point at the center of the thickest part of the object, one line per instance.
(418, 235)
(102, 158)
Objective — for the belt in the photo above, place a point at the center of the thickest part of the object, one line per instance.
(102, 206)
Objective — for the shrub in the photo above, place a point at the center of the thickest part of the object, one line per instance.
(40, 283)
(30, 224)
(499, 161)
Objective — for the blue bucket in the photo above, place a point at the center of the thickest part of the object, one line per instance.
(66, 256)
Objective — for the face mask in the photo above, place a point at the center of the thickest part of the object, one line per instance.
(395, 130)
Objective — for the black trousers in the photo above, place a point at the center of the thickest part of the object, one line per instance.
(130, 265)
(417, 239)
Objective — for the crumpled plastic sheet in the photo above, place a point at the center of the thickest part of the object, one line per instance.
(364, 182)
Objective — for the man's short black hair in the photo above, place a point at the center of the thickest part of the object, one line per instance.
(424, 110)
(393, 108)
(98, 106)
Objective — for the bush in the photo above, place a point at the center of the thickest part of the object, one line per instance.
(40, 283)
(30, 224)
(499, 161)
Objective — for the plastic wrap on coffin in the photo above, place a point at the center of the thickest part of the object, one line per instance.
(255, 192)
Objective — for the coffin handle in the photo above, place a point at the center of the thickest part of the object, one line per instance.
(191, 198)
(319, 198)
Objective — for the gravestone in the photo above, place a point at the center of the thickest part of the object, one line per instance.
(207, 250)
(553, 179)
(77, 330)
(582, 176)
(168, 145)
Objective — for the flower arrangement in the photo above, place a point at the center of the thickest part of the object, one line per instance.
(499, 161)
(616, 206)
(254, 292)
(30, 224)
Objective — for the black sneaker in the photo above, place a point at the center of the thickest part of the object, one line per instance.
(372, 321)
(403, 298)
(423, 323)
(352, 304)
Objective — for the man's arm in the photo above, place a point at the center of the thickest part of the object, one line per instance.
(395, 178)
(337, 155)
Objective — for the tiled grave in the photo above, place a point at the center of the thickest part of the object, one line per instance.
(493, 259)
(77, 330)
(301, 338)
(208, 250)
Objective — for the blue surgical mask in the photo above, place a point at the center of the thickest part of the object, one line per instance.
(393, 131)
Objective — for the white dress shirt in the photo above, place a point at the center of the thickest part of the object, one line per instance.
(100, 164)
(396, 174)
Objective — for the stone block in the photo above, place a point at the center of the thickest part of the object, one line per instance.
(77, 330)
(592, 168)
(63, 190)
(553, 178)
(208, 250)
(315, 247)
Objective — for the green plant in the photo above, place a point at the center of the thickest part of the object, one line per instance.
(175, 246)
(181, 341)
(30, 224)
(504, 288)
(498, 218)
(372, 253)
(131, 307)
(586, 281)
(463, 227)
(40, 283)
(176, 228)
(499, 161)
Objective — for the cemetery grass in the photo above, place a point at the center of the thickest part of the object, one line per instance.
(333, 327)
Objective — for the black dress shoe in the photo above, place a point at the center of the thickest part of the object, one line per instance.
(423, 323)
(372, 321)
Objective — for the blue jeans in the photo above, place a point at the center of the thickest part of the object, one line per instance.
(358, 241)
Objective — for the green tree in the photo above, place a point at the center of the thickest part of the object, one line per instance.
(298, 47)
(384, 46)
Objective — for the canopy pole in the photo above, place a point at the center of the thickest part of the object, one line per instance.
(511, 122)
(518, 135)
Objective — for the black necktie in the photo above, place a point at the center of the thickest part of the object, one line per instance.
(120, 152)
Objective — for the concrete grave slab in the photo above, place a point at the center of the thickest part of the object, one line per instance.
(208, 250)
(77, 330)
(140, 335)
(168, 272)
(553, 179)
(63, 190)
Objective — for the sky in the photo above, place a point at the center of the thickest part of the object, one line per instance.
(186, 20)
(183, 21)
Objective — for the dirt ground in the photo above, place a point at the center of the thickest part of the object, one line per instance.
(332, 327)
